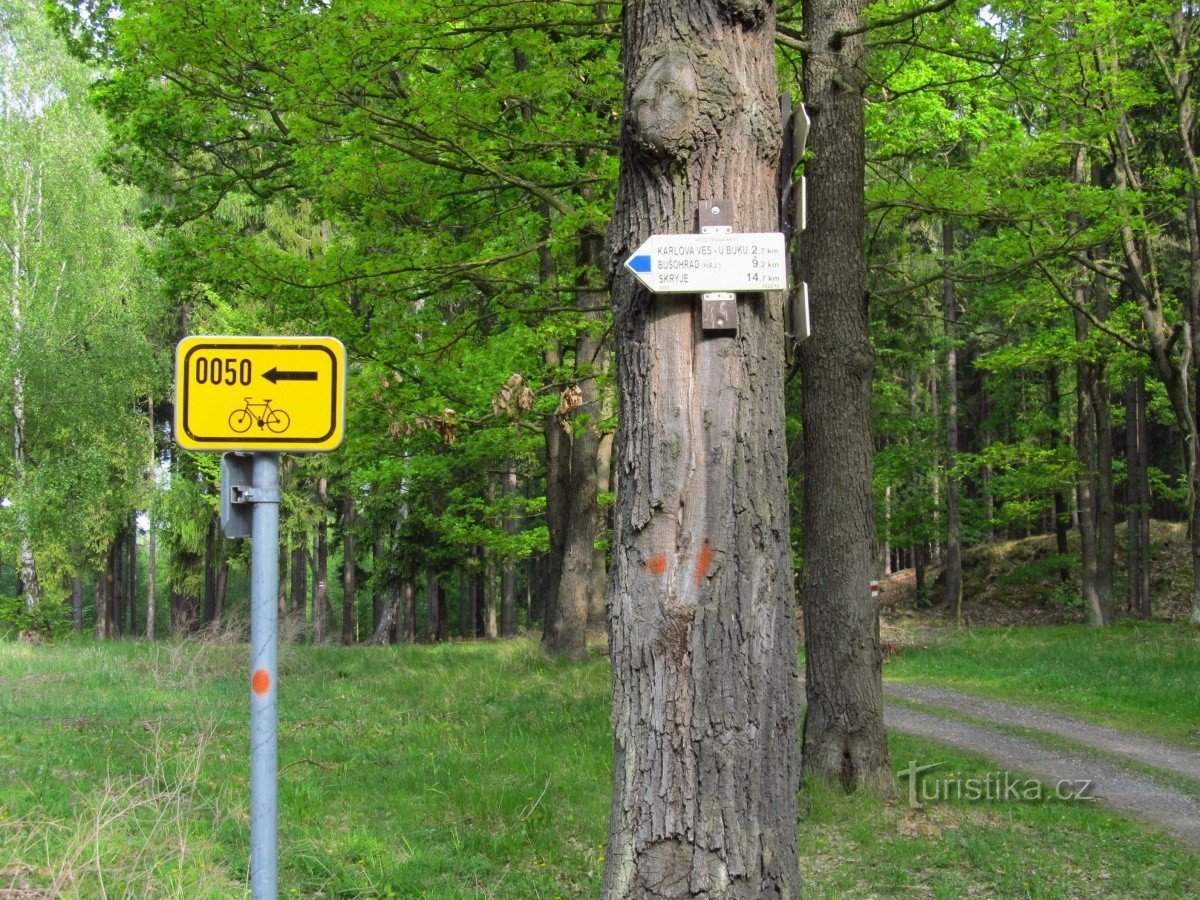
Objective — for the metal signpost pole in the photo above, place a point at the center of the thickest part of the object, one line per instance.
(264, 625)
(255, 396)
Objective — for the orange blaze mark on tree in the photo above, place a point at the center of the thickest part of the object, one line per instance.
(261, 682)
(703, 562)
(657, 564)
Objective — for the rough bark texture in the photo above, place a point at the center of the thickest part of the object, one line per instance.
(703, 633)
(581, 580)
(844, 737)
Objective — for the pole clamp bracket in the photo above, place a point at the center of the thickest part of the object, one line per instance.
(241, 494)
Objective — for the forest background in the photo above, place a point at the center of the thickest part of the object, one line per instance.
(431, 183)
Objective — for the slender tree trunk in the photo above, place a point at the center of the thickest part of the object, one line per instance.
(395, 608)
(558, 486)
(378, 549)
(954, 576)
(77, 604)
(443, 620)
(844, 737)
(490, 630)
(299, 576)
(508, 576)
(408, 633)
(466, 605)
(115, 588)
(284, 581)
(1054, 398)
(26, 213)
(349, 568)
(210, 573)
(1085, 448)
(320, 593)
(151, 549)
(1106, 505)
(703, 634)
(432, 629)
(1137, 485)
(98, 585)
(132, 569)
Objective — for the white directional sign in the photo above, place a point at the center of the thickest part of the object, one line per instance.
(695, 263)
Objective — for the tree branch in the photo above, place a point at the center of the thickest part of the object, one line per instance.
(898, 19)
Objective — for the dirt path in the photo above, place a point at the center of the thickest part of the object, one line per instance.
(1139, 747)
(1127, 792)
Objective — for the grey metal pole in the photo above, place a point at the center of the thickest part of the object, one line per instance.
(264, 626)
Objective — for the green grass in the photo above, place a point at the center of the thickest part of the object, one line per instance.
(453, 771)
(1136, 675)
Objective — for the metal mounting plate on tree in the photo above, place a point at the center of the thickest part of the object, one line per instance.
(708, 263)
(260, 393)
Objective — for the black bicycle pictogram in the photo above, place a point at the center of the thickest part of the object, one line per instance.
(274, 420)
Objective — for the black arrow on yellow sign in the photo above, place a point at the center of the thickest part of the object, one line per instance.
(275, 376)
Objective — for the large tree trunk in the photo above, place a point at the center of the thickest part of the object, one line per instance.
(703, 633)
(131, 567)
(582, 580)
(953, 570)
(844, 737)
(349, 568)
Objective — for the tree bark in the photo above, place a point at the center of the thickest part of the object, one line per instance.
(581, 582)
(210, 573)
(1054, 402)
(349, 568)
(77, 604)
(101, 601)
(954, 576)
(1137, 497)
(508, 573)
(320, 593)
(299, 577)
(844, 737)
(701, 597)
(466, 605)
(408, 630)
(378, 550)
(490, 628)
(432, 629)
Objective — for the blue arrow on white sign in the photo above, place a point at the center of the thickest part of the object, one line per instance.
(704, 263)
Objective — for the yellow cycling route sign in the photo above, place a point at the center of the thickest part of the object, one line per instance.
(260, 393)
